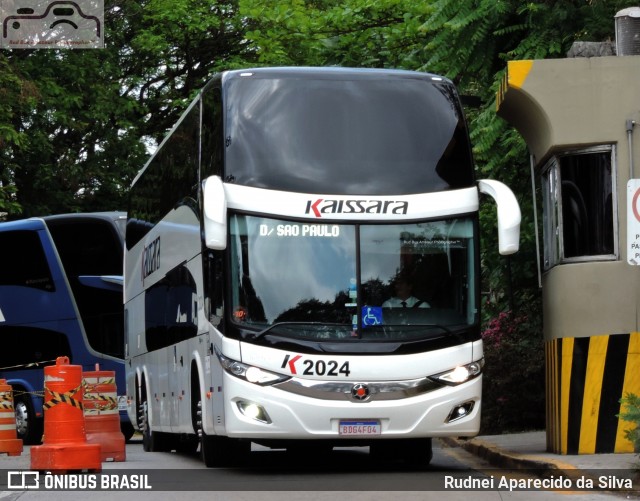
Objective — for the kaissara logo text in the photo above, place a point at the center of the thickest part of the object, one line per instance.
(151, 258)
(327, 206)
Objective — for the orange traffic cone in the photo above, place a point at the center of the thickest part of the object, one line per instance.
(9, 441)
(65, 444)
(101, 416)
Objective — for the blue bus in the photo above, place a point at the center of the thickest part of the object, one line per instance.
(60, 295)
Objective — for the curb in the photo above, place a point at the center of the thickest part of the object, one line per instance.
(511, 460)
(540, 467)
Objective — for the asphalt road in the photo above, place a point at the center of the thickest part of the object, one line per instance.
(349, 473)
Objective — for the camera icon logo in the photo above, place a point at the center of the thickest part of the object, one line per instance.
(23, 480)
(56, 24)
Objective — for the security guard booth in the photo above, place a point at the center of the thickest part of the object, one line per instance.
(579, 117)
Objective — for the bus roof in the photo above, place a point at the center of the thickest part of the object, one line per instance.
(333, 72)
(31, 224)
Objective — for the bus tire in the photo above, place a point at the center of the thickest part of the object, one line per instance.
(211, 457)
(127, 430)
(147, 434)
(152, 441)
(219, 451)
(28, 426)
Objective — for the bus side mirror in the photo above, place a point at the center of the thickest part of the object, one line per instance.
(215, 213)
(508, 214)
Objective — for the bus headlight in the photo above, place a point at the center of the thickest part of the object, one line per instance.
(253, 411)
(249, 372)
(461, 374)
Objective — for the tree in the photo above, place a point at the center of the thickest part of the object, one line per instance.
(76, 124)
(361, 33)
(15, 94)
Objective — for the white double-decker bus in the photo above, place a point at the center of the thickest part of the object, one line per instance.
(302, 267)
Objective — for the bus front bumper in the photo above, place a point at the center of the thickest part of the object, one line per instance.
(253, 411)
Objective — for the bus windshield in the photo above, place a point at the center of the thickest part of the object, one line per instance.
(349, 134)
(383, 282)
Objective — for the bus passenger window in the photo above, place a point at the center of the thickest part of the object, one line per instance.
(29, 265)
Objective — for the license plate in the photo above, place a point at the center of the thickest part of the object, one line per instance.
(359, 428)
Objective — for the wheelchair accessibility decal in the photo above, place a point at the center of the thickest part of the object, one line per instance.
(58, 24)
(371, 315)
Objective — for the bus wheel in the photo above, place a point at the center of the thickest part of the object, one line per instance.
(152, 441)
(215, 450)
(147, 435)
(127, 430)
(223, 451)
(211, 456)
(28, 426)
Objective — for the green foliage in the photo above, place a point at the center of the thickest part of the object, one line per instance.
(16, 94)
(64, 160)
(286, 33)
(631, 414)
(513, 381)
(360, 33)
(75, 124)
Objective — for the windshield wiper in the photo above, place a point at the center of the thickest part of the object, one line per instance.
(319, 327)
(437, 326)
(324, 325)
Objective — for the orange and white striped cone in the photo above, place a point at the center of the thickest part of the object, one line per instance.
(65, 444)
(10, 444)
(101, 415)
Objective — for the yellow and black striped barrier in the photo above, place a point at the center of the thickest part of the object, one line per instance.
(102, 418)
(63, 398)
(100, 393)
(64, 443)
(6, 400)
(10, 444)
(586, 378)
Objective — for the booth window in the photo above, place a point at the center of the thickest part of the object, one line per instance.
(579, 206)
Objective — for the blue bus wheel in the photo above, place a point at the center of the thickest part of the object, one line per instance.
(28, 426)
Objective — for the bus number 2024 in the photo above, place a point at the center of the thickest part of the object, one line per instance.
(322, 368)
(316, 367)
